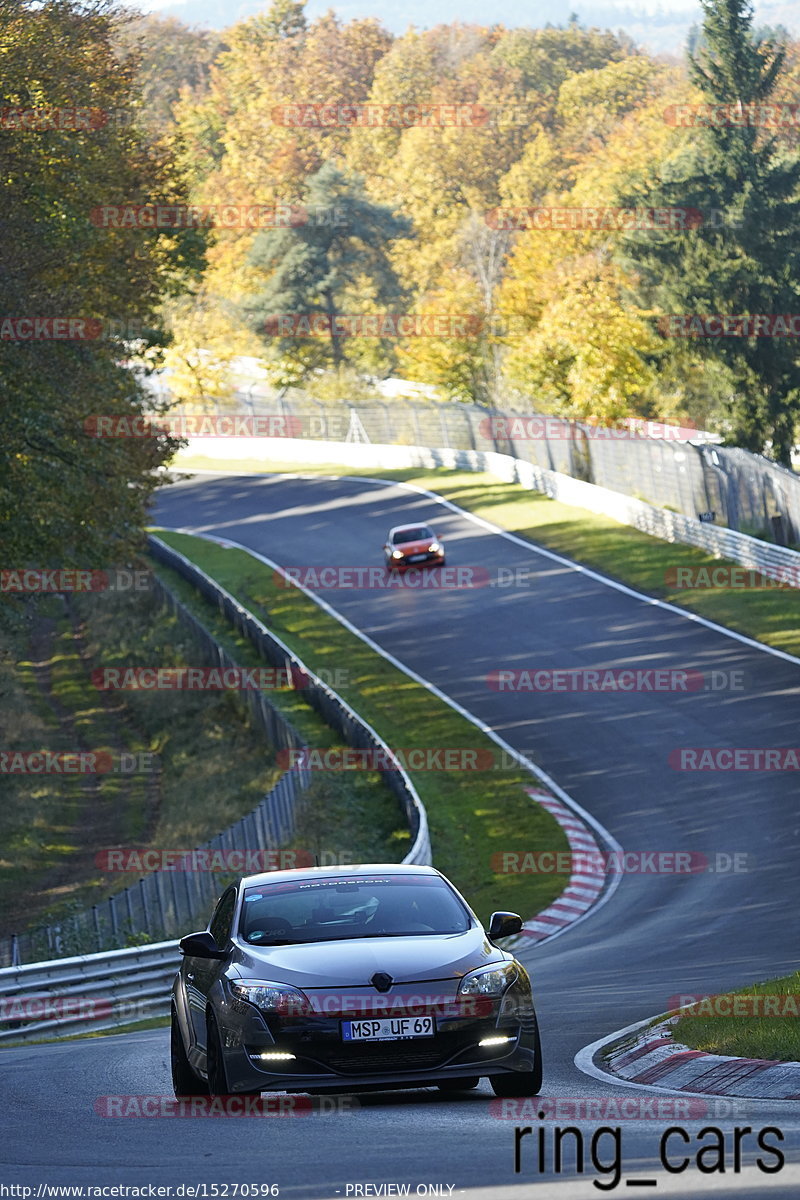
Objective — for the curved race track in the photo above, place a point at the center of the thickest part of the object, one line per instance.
(657, 937)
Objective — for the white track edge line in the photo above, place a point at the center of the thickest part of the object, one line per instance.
(566, 799)
(605, 580)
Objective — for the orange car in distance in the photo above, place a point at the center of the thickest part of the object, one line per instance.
(412, 545)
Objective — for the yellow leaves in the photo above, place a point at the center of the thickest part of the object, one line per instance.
(585, 349)
(594, 99)
(576, 120)
(206, 338)
(539, 172)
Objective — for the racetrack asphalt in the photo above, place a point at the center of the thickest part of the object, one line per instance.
(659, 936)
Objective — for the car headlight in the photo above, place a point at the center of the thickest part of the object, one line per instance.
(397, 554)
(434, 548)
(274, 998)
(488, 981)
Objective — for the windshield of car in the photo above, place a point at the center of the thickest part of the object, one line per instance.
(324, 910)
(419, 533)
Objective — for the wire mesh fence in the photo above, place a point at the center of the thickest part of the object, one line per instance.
(682, 470)
(355, 732)
(166, 903)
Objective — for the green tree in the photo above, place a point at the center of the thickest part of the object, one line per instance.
(747, 262)
(339, 257)
(67, 497)
(284, 19)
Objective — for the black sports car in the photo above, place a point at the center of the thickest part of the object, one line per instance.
(324, 980)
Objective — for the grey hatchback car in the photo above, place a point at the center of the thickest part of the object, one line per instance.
(334, 980)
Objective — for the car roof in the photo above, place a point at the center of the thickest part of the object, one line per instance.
(362, 870)
(403, 528)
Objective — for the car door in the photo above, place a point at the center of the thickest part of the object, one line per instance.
(201, 973)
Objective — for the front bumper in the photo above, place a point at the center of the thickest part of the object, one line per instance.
(325, 1062)
(430, 560)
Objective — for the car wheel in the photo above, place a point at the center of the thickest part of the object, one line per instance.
(520, 1083)
(184, 1080)
(215, 1064)
(459, 1085)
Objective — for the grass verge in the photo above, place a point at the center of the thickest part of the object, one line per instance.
(342, 819)
(763, 1023)
(473, 814)
(769, 614)
(183, 765)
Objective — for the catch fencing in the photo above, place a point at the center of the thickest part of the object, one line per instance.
(165, 903)
(354, 730)
(683, 471)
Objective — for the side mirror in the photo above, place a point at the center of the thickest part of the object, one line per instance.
(503, 924)
(201, 945)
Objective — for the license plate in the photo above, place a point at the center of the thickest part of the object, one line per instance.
(416, 557)
(387, 1029)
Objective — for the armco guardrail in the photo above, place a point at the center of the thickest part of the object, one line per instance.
(353, 728)
(773, 561)
(164, 902)
(91, 993)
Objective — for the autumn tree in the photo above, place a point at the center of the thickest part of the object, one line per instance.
(749, 262)
(335, 262)
(67, 497)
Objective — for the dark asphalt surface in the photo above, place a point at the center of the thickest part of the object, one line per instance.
(657, 937)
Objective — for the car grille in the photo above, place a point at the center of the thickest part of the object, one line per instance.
(385, 1057)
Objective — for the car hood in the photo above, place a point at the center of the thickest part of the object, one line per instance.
(415, 547)
(353, 962)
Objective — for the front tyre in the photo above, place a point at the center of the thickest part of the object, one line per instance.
(215, 1064)
(184, 1081)
(520, 1083)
